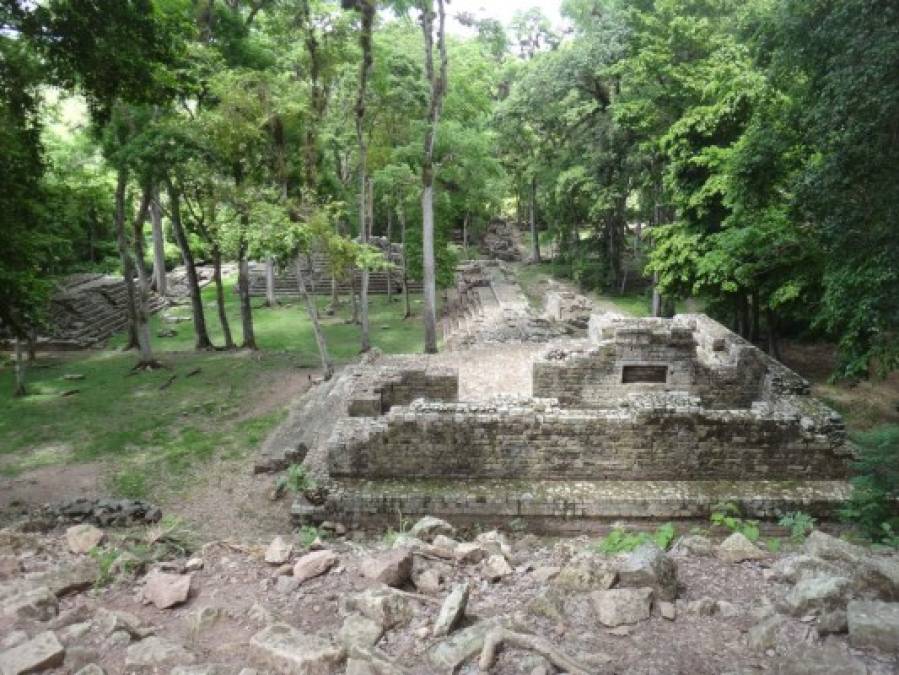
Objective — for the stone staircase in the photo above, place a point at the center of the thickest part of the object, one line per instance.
(488, 307)
(88, 309)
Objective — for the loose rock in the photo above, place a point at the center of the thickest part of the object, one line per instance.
(314, 564)
(649, 567)
(496, 568)
(278, 552)
(620, 606)
(288, 650)
(155, 652)
(737, 548)
(874, 624)
(392, 568)
(452, 611)
(83, 538)
(166, 590)
(428, 528)
(41, 652)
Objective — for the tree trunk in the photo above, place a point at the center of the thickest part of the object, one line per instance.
(408, 305)
(656, 296)
(270, 299)
(367, 8)
(354, 296)
(438, 89)
(160, 281)
(335, 297)
(220, 296)
(20, 369)
(532, 215)
(755, 332)
(773, 342)
(243, 290)
(389, 245)
(187, 257)
(32, 344)
(140, 330)
(327, 366)
(465, 234)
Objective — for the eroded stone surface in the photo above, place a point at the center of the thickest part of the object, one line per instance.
(288, 650)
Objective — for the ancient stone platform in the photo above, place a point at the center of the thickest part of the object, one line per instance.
(642, 418)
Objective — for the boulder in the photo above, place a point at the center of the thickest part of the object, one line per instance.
(620, 606)
(470, 553)
(428, 528)
(166, 590)
(384, 606)
(549, 604)
(495, 542)
(820, 660)
(392, 568)
(818, 594)
(496, 567)
(874, 624)
(108, 621)
(69, 578)
(359, 631)
(452, 611)
(287, 650)
(83, 538)
(649, 567)
(444, 546)
(154, 652)
(792, 568)
(37, 604)
(763, 635)
(278, 551)
(41, 652)
(737, 548)
(693, 544)
(429, 581)
(586, 575)
(543, 575)
(667, 610)
(314, 564)
(877, 578)
(821, 545)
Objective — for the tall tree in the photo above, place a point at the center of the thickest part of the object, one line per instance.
(438, 80)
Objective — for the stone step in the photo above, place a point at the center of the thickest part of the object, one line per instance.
(572, 506)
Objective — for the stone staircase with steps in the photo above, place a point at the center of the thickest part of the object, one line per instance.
(88, 309)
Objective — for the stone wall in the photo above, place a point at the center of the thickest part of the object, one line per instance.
(652, 437)
(377, 391)
(690, 353)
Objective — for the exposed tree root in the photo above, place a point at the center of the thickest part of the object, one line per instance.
(497, 636)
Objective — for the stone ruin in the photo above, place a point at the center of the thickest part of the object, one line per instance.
(500, 241)
(658, 418)
(318, 277)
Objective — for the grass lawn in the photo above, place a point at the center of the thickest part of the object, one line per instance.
(287, 327)
(150, 435)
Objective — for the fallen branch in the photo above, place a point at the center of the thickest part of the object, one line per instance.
(168, 382)
(534, 643)
(195, 371)
(70, 392)
(420, 598)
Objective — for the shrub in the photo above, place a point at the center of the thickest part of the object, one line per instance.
(296, 479)
(623, 541)
(728, 516)
(799, 523)
(875, 487)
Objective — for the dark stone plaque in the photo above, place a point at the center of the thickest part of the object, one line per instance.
(644, 374)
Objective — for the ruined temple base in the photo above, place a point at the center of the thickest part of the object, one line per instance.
(565, 506)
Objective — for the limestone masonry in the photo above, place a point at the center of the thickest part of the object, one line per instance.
(630, 417)
(660, 399)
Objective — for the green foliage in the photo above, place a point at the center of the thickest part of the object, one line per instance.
(799, 523)
(774, 545)
(875, 486)
(309, 534)
(105, 557)
(728, 516)
(296, 480)
(624, 541)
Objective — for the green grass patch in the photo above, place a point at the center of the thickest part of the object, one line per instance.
(147, 434)
(288, 328)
